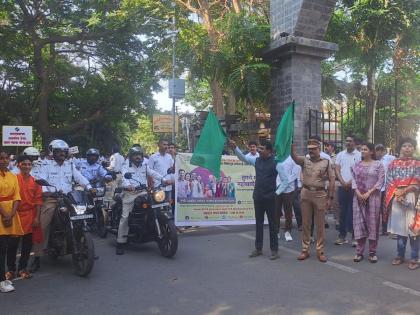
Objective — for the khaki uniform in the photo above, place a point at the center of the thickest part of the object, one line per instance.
(47, 213)
(313, 200)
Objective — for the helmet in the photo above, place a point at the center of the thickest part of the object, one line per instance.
(31, 151)
(58, 145)
(92, 151)
(135, 150)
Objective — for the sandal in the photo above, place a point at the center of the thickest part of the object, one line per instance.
(358, 258)
(373, 258)
(397, 261)
(413, 265)
(10, 275)
(25, 274)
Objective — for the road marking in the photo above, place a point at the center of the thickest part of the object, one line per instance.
(401, 288)
(295, 252)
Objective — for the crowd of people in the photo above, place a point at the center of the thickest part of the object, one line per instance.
(368, 189)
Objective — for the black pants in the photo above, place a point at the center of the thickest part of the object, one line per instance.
(265, 206)
(24, 253)
(296, 207)
(3, 251)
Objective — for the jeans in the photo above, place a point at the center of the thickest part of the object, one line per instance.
(263, 206)
(345, 199)
(402, 244)
(4, 240)
(296, 207)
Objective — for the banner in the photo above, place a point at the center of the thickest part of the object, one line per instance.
(17, 136)
(163, 123)
(74, 150)
(202, 200)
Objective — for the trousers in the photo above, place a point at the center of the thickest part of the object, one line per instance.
(127, 206)
(47, 213)
(24, 253)
(265, 206)
(313, 203)
(285, 201)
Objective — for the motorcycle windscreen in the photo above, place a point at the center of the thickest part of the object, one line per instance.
(78, 197)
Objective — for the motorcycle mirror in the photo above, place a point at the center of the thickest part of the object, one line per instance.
(42, 182)
(128, 175)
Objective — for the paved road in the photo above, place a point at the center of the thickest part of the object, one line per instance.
(212, 275)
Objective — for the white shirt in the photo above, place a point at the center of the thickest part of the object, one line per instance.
(346, 161)
(62, 176)
(160, 163)
(249, 154)
(386, 160)
(293, 173)
(139, 175)
(116, 162)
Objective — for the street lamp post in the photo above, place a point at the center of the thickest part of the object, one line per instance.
(173, 76)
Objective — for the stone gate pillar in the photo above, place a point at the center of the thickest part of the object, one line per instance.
(296, 50)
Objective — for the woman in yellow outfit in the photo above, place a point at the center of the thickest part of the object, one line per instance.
(9, 220)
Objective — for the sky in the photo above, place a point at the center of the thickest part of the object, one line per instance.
(164, 103)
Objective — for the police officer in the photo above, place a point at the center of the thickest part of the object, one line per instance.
(59, 173)
(37, 163)
(139, 173)
(314, 198)
(91, 169)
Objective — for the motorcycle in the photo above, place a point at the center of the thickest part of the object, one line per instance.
(68, 235)
(150, 220)
(97, 208)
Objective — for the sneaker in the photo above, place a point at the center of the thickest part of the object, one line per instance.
(255, 253)
(274, 255)
(340, 241)
(288, 236)
(6, 286)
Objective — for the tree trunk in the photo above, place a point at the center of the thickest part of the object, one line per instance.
(217, 94)
(372, 98)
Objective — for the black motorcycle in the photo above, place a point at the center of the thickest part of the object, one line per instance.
(150, 220)
(97, 208)
(68, 234)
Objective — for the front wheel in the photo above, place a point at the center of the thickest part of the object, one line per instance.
(84, 259)
(168, 244)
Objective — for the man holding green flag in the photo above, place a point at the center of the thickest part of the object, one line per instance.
(208, 151)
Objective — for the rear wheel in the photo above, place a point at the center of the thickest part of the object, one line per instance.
(85, 257)
(168, 244)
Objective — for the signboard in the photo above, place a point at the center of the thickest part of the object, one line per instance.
(74, 150)
(201, 200)
(176, 88)
(163, 123)
(20, 136)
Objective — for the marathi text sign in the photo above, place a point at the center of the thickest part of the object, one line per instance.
(202, 200)
(163, 123)
(17, 136)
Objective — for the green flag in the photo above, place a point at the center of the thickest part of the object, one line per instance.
(284, 135)
(208, 151)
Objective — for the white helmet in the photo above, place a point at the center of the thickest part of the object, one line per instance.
(31, 151)
(58, 144)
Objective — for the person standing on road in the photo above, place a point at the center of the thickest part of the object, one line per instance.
(266, 170)
(314, 199)
(59, 173)
(402, 191)
(367, 181)
(386, 159)
(9, 220)
(285, 199)
(344, 162)
(160, 162)
(29, 211)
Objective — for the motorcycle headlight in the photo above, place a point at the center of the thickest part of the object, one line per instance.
(80, 209)
(159, 196)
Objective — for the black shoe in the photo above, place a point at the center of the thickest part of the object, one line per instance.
(255, 253)
(36, 264)
(120, 249)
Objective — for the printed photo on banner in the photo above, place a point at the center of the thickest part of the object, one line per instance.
(202, 199)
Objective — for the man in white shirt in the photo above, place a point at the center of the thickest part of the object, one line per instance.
(285, 199)
(386, 159)
(160, 162)
(116, 162)
(344, 162)
(252, 148)
(59, 173)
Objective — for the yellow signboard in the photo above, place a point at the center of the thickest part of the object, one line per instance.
(163, 123)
